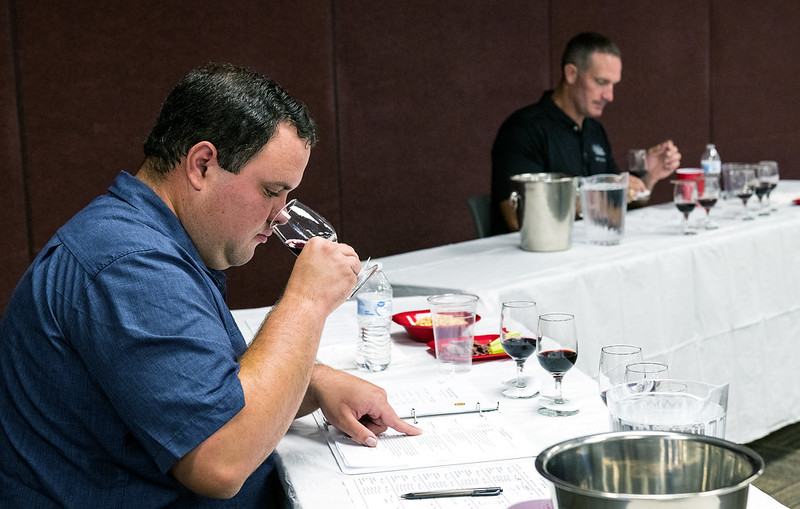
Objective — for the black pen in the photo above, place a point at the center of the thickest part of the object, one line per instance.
(470, 492)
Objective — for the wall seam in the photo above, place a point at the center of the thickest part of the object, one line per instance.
(710, 73)
(336, 116)
(18, 97)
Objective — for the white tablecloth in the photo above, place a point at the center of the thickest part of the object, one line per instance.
(313, 478)
(722, 306)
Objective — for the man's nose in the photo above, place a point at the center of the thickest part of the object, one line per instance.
(278, 215)
(608, 96)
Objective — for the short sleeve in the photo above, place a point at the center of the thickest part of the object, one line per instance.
(153, 337)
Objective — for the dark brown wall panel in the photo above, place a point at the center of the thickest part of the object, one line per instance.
(94, 75)
(408, 97)
(14, 257)
(423, 87)
(755, 68)
(664, 89)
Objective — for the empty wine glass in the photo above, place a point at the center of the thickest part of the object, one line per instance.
(708, 197)
(685, 197)
(645, 375)
(296, 223)
(769, 170)
(743, 185)
(518, 322)
(613, 361)
(557, 351)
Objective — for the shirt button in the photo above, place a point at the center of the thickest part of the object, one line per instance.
(575, 128)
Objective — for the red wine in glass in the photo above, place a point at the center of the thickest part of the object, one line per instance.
(519, 348)
(295, 224)
(296, 245)
(518, 335)
(761, 189)
(707, 203)
(557, 362)
(557, 352)
(744, 197)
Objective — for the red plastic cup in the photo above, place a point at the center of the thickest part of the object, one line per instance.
(695, 174)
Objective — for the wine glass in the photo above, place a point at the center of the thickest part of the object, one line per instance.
(685, 196)
(613, 361)
(518, 322)
(296, 223)
(763, 179)
(708, 197)
(644, 376)
(557, 351)
(769, 171)
(743, 185)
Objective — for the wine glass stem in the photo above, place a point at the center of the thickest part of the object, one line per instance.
(559, 399)
(520, 380)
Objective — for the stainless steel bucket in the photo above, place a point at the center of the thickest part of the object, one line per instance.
(545, 205)
(649, 470)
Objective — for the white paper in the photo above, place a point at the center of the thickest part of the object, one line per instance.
(445, 440)
(435, 399)
(518, 478)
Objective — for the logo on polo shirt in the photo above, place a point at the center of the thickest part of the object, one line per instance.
(599, 153)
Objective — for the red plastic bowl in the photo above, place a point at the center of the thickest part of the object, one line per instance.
(420, 333)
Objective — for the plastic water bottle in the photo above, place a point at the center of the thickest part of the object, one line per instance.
(374, 348)
(711, 162)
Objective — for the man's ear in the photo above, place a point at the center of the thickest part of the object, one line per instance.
(200, 157)
(571, 73)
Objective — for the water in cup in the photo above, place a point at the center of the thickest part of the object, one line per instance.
(669, 405)
(603, 206)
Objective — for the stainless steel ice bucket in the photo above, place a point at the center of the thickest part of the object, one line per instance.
(545, 205)
(649, 470)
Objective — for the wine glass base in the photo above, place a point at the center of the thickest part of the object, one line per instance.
(552, 409)
(527, 380)
(550, 412)
(530, 390)
(711, 226)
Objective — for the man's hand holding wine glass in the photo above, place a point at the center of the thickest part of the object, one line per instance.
(325, 272)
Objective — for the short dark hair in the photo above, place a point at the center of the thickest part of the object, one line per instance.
(580, 48)
(234, 108)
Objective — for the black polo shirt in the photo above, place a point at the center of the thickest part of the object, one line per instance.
(542, 138)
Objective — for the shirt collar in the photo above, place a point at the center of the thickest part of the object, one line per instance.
(556, 113)
(139, 195)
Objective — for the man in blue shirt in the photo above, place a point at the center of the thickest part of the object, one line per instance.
(561, 133)
(124, 380)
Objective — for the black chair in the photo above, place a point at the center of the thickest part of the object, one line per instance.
(480, 208)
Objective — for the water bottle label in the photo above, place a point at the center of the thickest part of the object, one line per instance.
(375, 307)
(712, 166)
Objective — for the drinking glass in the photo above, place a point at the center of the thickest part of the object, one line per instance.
(685, 196)
(708, 198)
(743, 185)
(518, 322)
(727, 171)
(645, 375)
(769, 169)
(296, 223)
(613, 361)
(557, 351)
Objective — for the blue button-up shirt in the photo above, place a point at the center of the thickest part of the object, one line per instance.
(118, 355)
